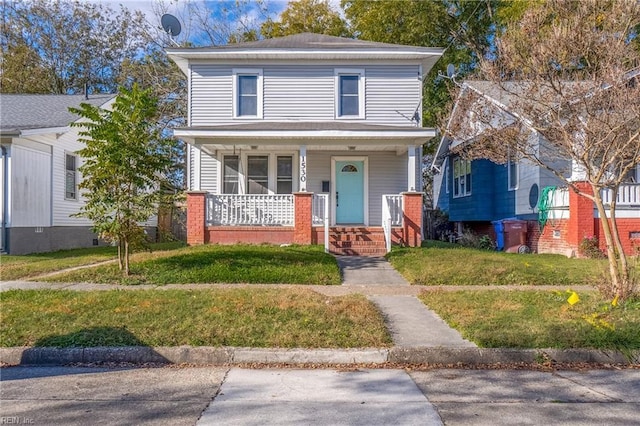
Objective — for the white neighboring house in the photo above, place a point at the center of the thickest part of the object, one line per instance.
(291, 134)
(39, 172)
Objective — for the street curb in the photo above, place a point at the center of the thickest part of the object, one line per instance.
(233, 355)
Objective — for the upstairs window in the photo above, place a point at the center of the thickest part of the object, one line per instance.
(70, 177)
(247, 93)
(461, 177)
(350, 93)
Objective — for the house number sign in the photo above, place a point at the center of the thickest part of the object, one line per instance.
(303, 168)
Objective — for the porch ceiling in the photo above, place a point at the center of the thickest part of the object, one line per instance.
(315, 135)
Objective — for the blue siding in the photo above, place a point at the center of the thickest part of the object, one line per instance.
(490, 198)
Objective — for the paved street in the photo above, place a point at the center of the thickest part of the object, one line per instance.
(220, 396)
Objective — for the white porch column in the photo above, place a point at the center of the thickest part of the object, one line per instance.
(412, 185)
(303, 168)
(195, 151)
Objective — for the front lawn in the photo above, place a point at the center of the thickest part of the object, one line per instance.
(256, 264)
(439, 263)
(255, 317)
(538, 319)
(21, 267)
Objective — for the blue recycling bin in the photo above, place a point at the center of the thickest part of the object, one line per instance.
(498, 226)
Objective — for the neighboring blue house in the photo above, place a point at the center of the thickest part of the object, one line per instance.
(476, 193)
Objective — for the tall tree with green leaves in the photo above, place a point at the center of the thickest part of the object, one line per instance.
(59, 46)
(463, 27)
(126, 160)
(306, 16)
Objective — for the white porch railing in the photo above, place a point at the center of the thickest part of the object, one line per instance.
(320, 215)
(558, 198)
(628, 195)
(250, 209)
(391, 215)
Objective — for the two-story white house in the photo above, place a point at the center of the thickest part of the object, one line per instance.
(304, 139)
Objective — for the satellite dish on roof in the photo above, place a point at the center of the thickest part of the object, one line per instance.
(451, 71)
(170, 24)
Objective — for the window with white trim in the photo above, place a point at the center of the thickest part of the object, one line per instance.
(349, 93)
(461, 177)
(230, 174)
(512, 172)
(70, 177)
(284, 174)
(258, 174)
(268, 173)
(247, 93)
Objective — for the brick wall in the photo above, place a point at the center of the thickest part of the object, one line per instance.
(553, 239)
(627, 229)
(249, 234)
(196, 211)
(412, 218)
(302, 202)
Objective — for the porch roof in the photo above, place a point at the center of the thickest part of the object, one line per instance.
(330, 133)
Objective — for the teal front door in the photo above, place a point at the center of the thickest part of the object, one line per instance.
(349, 192)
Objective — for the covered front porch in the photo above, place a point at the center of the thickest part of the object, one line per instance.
(353, 187)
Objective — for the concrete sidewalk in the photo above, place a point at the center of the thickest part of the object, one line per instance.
(409, 321)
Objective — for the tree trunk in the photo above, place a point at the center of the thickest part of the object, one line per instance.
(126, 258)
(619, 276)
(120, 254)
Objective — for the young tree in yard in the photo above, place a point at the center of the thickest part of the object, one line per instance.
(568, 71)
(125, 162)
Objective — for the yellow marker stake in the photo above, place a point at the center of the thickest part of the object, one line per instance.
(573, 299)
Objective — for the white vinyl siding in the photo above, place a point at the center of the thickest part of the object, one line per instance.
(211, 94)
(297, 92)
(391, 93)
(208, 172)
(30, 187)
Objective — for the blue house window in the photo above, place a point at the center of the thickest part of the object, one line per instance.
(512, 171)
(461, 177)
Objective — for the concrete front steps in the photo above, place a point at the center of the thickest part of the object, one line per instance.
(357, 241)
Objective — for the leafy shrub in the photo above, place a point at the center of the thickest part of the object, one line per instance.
(590, 247)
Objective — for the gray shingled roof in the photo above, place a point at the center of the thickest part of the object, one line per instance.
(310, 41)
(24, 112)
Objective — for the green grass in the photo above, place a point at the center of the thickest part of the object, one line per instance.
(254, 264)
(538, 319)
(21, 267)
(223, 317)
(439, 263)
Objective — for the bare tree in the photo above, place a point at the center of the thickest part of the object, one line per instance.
(569, 89)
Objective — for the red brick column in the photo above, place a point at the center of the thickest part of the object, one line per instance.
(196, 211)
(581, 223)
(303, 222)
(412, 218)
